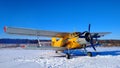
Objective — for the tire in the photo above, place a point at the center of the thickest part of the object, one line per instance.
(89, 54)
(56, 51)
(68, 56)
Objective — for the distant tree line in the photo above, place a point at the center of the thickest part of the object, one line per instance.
(20, 41)
(34, 41)
(110, 42)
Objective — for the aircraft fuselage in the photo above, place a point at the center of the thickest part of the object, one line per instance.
(71, 41)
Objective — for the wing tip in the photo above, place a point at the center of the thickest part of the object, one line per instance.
(5, 28)
(23, 46)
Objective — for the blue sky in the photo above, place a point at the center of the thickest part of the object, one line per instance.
(61, 15)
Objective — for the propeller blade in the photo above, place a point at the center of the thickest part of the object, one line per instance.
(92, 44)
(89, 28)
(94, 47)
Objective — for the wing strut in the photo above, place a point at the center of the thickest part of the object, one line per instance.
(39, 43)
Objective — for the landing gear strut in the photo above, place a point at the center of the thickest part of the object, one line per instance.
(88, 53)
(68, 56)
(56, 51)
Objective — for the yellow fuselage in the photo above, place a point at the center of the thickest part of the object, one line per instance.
(68, 41)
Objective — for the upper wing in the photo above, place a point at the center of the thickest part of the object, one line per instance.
(31, 32)
(99, 34)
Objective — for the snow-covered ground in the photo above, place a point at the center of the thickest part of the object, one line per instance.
(107, 57)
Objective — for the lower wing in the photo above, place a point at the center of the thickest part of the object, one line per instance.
(44, 48)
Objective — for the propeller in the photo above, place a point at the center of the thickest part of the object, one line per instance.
(89, 28)
(91, 38)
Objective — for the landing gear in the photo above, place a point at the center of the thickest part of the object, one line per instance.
(68, 56)
(89, 54)
(56, 51)
(84, 45)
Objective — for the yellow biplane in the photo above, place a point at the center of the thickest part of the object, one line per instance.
(62, 40)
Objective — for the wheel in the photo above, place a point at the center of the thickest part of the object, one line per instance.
(68, 56)
(56, 51)
(89, 54)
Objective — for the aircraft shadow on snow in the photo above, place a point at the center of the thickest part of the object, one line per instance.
(101, 53)
(113, 53)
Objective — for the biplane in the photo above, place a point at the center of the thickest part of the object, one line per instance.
(62, 40)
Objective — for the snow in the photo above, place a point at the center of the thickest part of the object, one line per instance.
(107, 57)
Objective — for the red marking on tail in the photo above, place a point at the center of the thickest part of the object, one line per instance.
(5, 28)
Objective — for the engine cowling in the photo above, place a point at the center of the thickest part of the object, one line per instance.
(87, 36)
(86, 39)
